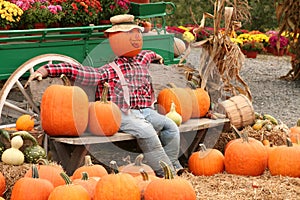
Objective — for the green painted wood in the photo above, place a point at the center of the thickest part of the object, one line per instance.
(88, 46)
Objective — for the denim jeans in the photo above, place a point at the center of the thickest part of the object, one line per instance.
(157, 136)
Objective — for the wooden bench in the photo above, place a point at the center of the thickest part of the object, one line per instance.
(70, 151)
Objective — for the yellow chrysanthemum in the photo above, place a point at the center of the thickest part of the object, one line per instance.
(188, 36)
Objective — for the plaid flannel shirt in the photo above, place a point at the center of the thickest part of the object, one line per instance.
(135, 71)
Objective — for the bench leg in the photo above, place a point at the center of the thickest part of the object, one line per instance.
(69, 156)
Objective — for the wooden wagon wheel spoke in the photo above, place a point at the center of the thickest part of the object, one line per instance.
(12, 107)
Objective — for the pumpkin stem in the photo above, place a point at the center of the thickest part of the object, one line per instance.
(167, 170)
(87, 161)
(289, 142)
(172, 85)
(202, 147)
(104, 93)
(42, 161)
(139, 160)
(298, 122)
(35, 172)
(114, 167)
(245, 137)
(66, 178)
(65, 80)
(85, 176)
(144, 175)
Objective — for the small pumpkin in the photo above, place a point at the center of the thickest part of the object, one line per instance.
(89, 183)
(245, 156)
(93, 170)
(2, 184)
(117, 186)
(206, 162)
(200, 102)
(69, 191)
(180, 97)
(64, 110)
(285, 160)
(13, 156)
(134, 168)
(169, 187)
(144, 180)
(25, 123)
(104, 116)
(48, 171)
(23, 188)
(295, 133)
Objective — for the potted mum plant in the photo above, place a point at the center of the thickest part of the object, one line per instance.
(112, 8)
(278, 44)
(80, 12)
(42, 15)
(10, 15)
(252, 48)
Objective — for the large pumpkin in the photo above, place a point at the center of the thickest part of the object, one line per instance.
(104, 116)
(50, 172)
(69, 191)
(295, 133)
(169, 188)
(200, 102)
(2, 184)
(64, 110)
(23, 188)
(206, 162)
(117, 186)
(127, 44)
(285, 160)
(181, 99)
(245, 156)
(93, 170)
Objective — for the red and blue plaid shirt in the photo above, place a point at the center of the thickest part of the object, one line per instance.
(135, 71)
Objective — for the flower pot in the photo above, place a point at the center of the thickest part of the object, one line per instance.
(278, 53)
(251, 54)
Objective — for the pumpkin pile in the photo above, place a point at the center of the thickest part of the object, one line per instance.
(92, 181)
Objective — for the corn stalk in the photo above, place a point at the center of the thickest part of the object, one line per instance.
(220, 58)
(288, 16)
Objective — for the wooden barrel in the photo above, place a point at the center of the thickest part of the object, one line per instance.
(239, 110)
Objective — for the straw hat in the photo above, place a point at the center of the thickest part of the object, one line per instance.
(123, 22)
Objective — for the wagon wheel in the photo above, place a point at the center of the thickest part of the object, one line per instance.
(13, 107)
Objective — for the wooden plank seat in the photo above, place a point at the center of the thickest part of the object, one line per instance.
(70, 151)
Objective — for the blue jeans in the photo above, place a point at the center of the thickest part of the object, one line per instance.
(157, 136)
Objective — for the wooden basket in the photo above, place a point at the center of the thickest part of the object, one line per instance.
(239, 110)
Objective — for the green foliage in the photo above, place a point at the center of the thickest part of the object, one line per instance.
(262, 12)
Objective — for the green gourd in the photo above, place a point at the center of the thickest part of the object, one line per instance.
(13, 156)
(34, 152)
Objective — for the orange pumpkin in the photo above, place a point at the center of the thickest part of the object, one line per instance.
(2, 184)
(22, 189)
(134, 168)
(69, 191)
(245, 156)
(93, 170)
(181, 99)
(169, 188)
(206, 162)
(104, 116)
(295, 133)
(144, 180)
(127, 44)
(89, 183)
(285, 160)
(25, 123)
(200, 102)
(50, 172)
(117, 186)
(64, 110)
